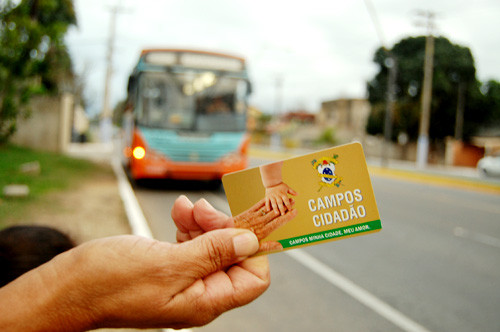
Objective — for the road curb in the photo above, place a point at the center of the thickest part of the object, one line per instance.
(395, 173)
(135, 216)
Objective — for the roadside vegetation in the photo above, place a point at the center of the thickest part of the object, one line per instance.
(56, 172)
(454, 76)
(34, 59)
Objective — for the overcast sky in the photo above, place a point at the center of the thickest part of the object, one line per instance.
(320, 49)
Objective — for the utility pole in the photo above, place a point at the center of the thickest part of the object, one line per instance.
(423, 135)
(106, 111)
(106, 114)
(459, 122)
(392, 66)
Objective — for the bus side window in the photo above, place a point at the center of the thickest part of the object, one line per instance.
(130, 84)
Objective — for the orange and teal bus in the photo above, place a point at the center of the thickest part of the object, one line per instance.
(185, 116)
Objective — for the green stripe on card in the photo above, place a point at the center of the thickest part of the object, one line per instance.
(331, 234)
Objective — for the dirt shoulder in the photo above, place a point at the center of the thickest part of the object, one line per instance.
(90, 209)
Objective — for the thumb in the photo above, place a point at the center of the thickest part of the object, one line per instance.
(214, 251)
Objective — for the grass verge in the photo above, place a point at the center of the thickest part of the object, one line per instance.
(57, 172)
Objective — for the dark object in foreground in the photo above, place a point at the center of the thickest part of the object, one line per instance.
(23, 248)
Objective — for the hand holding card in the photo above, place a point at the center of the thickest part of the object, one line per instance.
(263, 223)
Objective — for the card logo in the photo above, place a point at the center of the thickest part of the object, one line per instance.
(326, 171)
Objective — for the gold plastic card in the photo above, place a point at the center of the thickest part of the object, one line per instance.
(318, 197)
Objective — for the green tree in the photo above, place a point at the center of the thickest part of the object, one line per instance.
(453, 65)
(491, 90)
(33, 56)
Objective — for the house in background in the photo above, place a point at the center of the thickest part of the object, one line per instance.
(347, 116)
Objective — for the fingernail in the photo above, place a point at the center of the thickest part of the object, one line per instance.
(245, 244)
(207, 204)
(186, 199)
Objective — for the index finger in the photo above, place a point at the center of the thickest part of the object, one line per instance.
(182, 214)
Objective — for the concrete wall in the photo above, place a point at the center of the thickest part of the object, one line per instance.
(347, 116)
(49, 125)
(462, 154)
(373, 146)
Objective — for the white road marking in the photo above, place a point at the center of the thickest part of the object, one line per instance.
(360, 294)
(136, 218)
(478, 237)
(140, 227)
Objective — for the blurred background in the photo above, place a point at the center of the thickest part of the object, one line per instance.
(416, 82)
(324, 66)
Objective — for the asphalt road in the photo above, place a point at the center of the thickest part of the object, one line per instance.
(433, 267)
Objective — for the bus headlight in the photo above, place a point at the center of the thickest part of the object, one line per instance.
(139, 152)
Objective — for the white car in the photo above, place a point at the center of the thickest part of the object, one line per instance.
(490, 165)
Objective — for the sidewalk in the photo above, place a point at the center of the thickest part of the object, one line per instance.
(99, 152)
(441, 170)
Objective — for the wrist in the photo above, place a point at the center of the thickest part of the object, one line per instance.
(72, 295)
(273, 184)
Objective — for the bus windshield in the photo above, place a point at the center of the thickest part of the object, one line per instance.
(192, 100)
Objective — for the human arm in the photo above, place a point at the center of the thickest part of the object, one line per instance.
(130, 281)
(276, 190)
